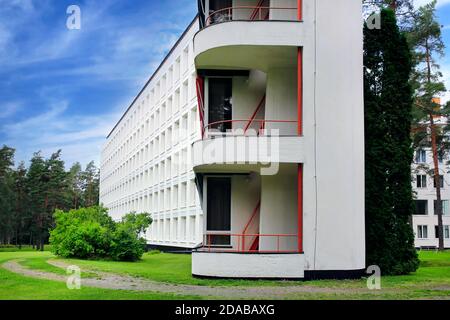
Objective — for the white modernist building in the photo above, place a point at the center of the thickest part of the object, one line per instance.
(425, 219)
(247, 144)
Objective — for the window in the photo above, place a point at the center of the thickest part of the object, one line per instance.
(446, 232)
(421, 207)
(218, 209)
(421, 156)
(422, 232)
(441, 178)
(445, 207)
(421, 181)
(220, 103)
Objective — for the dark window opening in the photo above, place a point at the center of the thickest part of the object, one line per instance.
(218, 210)
(421, 207)
(220, 104)
(421, 181)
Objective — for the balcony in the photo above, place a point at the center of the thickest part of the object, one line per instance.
(248, 119)
(231, 34)
(250, 226)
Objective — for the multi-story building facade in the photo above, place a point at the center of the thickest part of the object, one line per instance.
(247, 144)
(425, 220)
(145, 162)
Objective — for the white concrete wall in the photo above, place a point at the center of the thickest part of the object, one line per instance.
(277, 14)
(230, 265)
(281, 101)
(279, 214)
(339, 144)
(245, 194)
(247, 94)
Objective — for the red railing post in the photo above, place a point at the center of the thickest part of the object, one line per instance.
(201, 106)
(300, 208)
(300, 10)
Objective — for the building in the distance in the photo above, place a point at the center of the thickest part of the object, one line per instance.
(247, 143)
(425, 219)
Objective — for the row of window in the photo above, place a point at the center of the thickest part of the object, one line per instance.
(421, 181)
(170, 168)
(181, 229)
(162, 88)
(422, 207)
(171, 198)
(422, 157)
(422, 232)
(150, 123)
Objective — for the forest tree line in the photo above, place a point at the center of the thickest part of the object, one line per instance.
(30, 195)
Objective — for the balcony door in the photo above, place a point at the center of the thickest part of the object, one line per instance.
(218, 217)
(220, 104)
(220, 11)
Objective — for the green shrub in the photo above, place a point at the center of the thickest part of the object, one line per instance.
(90, 233)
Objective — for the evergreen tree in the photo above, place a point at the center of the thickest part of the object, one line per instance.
(22, 214)
(389, 153)
(6, 194)
(58, 188)
(427, 41)
(91, 181)
(76, 185)
(37, 179)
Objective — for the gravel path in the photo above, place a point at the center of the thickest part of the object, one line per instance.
(123, 282)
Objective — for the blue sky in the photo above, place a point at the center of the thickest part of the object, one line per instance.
(65, 89)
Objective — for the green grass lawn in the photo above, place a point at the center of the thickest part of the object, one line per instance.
(17, 287)
(432, 279)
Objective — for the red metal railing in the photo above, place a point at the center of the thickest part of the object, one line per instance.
(209, 129)
(254, 218)
(258, 110)
(200, 87)
(257, 13)
(277, 243)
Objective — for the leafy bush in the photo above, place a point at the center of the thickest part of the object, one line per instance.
(89, 233)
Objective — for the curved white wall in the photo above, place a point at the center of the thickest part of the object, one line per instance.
(229, 265)
(257, 33)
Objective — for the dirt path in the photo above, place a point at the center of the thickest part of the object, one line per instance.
(123, 282)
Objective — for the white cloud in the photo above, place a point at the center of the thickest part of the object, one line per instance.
(8, 109)
(79, 137)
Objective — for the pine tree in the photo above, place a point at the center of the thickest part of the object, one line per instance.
(6, 194)
(37, 179)
(21, 209)
(427, 41)
(75, 178)
(388, 103)
(91, 179)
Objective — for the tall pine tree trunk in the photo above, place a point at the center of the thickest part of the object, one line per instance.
(437, 179)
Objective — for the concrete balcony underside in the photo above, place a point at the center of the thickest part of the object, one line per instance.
(248, 45)
(235, 265)
(222, 154)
